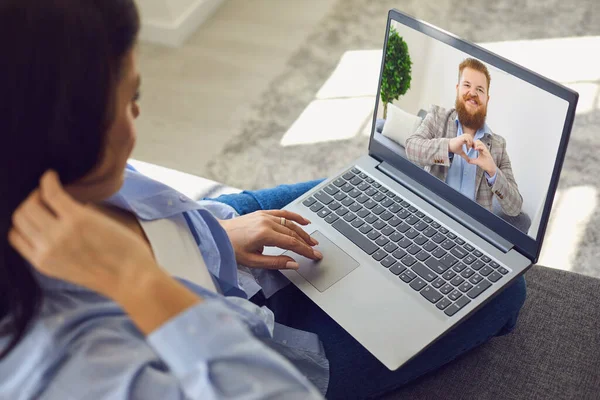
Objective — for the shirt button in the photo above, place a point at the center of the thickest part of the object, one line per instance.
(183, 198)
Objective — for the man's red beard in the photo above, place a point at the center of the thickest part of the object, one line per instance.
(467, 118)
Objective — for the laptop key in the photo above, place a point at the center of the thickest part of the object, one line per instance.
(421, 225)
(442, 304)
(371, 192)
(438, 238)
(354, 193)
(355, 237)
(454, 295)
(448, 260)
(430, 246)
(412, 209)
(362, 198)
(403, 214)
(340, 196)
(316, 207)
(460, 241)
(388, 230)
(494, 264)
(347, 187)
(408, 260)
(494, 276)
(420, 214)
(356, 181)
(438, 283)
(369, 179)
(429, 231)
(361, 174)
(411, 234)
(457, 280)
(478, 253)
(348, 201)
(363, 212)
(456, 307)
(478, 289)
(418, 284)
(503, 270)
(377, 185)
(379, 197)
(477, 265)
(388, 202)
(458, 252)
(465, 287)
(309, 202)
(324, 212)
(355, 207)
(404, 243)
(339, 182)
(382, 241)
(331, 190)
(331, 218)
(424, 272)
(467, 273)
(373, 235)
(420, 240)
(458, 267)
(341, 211)
(379, 255)
(447, 288)
(378, 210)
(388, 261)
(444, 230)
(469, 259)
(451, 235)
(386, 215)
(370, 204)
(403, 227)
(383, 189)
(390, 247)
(435, 225)
(428, 219)
(348, 175)
(395, 237)
(366, 229)
(475, 279)
(431, 294)
(371, 218)
(334, 206)
(485, 271)
(448, 244)
(439, 252)
(468, 247)
(422, 255)
(399, 253)
(486, 259)
(355, 170)
(436, 265)
(397, 268)
(413, 249)
(411, 220)
(357, 223)
(379, 224)
(408, 276)
(449, 275)
(363, 186)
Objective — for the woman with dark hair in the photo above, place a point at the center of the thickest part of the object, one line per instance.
(86, 308)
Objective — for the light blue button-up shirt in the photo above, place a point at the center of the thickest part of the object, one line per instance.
(462, 175)
(83, 346)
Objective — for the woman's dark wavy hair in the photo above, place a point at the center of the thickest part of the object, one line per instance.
(61, 63)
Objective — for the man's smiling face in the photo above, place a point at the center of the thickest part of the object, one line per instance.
(472, 98)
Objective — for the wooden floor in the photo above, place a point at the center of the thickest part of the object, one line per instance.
(194, 96)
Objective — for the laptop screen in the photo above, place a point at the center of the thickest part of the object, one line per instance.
(487, 134)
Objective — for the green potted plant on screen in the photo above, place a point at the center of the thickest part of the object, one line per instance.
(396, 70)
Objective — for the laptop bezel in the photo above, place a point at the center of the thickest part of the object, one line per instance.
(384, 150)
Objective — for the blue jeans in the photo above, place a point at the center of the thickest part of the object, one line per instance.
(354, 372)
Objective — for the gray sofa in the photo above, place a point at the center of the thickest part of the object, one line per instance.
(554, 353)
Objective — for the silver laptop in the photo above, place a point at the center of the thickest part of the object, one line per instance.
(415, 237)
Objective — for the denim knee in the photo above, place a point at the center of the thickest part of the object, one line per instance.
(512, 300)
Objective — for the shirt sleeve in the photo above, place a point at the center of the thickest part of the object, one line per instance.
(491, 180)
(206, 352)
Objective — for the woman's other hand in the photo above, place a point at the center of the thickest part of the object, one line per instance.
(73, 242)
(250, 233)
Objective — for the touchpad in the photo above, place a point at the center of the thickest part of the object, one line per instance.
(334, 266)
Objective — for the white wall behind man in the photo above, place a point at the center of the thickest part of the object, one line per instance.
(530, 119)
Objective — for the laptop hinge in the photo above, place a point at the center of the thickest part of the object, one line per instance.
(451, 211)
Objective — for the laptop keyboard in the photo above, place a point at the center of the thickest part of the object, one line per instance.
(424, 254)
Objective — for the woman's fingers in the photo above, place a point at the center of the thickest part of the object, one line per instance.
(288, 215)
(290, 228)
(21, 245)
(271, 262)
(287, 242)
(54, 196)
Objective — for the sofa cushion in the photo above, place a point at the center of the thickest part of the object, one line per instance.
(399, 124)
(554, 352)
